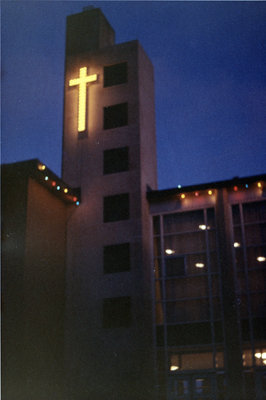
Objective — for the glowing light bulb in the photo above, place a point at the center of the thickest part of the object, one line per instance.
(209, 192)
(259, 184)
(46, 178)
(169, 251)
(75, 198)
(199, 265)
(235, 188)
(65, 190)
(58, 187)
(53, 183)
(41, 167)
(261, 259)
(237, 244)
(183, 196)
(77, 203)
(174, 367)
(258, 355)
(203, 227)
(179, 186)
(246, 186)
(196, 194)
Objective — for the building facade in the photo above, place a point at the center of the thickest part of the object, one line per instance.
(109, 152)
(209, 290)
(158, 294)
(35, 209)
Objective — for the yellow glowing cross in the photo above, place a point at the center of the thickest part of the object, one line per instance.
(82, 82)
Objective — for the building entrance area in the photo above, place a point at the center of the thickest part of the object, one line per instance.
(192, 387)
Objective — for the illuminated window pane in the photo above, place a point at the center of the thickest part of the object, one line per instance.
(115, 116)
(192, 262)
(115, 74)
(219, 360)
(186, 243)
(247, 358)
(180, 222)
(196, 361)
(252, 255)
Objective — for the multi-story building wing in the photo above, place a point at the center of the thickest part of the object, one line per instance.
(209, 290)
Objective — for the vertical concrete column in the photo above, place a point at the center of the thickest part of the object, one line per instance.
(233, 353)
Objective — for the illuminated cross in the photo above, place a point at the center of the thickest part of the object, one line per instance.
(82, 82)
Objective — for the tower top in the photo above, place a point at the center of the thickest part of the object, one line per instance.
(87, 31)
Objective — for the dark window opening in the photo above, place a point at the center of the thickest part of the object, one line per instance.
(115, 74)
(116, 258)
(116, 208)
(175, 266)
(115, 116)
(115, 160)
(116, 312)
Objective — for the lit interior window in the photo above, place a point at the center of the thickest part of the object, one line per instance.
(200, 265)
(261, 355)
(174, 363)
(237, 244)
(169, 251)
(261, 259)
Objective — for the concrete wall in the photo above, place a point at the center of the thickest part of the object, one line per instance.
(116, 362)
(33, 284)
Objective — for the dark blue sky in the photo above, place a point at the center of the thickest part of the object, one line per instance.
(210, 80)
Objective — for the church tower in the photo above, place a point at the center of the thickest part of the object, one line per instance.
(109, 151)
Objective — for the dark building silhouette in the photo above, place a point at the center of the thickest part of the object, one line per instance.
(113, 289)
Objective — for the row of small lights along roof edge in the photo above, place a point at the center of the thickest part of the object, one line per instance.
(235, 183)
(56, 185)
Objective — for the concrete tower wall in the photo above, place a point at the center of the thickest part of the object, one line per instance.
(109, 362)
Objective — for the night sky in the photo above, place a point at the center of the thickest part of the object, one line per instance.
(209, 60)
